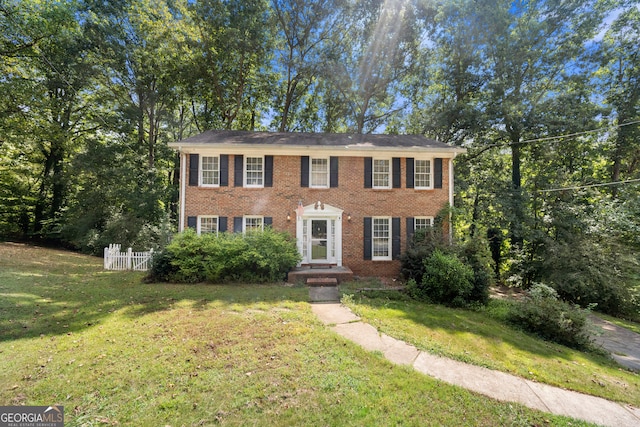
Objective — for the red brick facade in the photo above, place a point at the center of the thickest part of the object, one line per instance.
(281, 200)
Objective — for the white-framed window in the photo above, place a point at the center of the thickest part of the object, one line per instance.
(421, 222)
(381, 238)
(422, 174)
(207, 224)
(210, 171)
(254, 171)
(319, 173)
(252, 223)
(381, 173)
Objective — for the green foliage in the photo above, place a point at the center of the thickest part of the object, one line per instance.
(446, 280)
(256, 257)
(543, 314)
(475, 254)
(586, 274)
(423, 243)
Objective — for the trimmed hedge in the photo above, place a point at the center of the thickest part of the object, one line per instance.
(226, 257)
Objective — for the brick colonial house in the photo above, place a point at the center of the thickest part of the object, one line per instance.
(350, 200)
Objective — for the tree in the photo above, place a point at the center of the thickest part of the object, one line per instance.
(46, 70)
(229, 79)
(305, 32)
(619, 77)
(374, 56)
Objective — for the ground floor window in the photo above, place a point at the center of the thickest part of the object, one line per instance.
(253, 223)
(381, 238)
(423, 222)
(207, 224)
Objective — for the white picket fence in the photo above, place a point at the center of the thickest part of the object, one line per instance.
(114, 259)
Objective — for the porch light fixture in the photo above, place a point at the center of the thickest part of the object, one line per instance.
(288, 216)
(349, 217)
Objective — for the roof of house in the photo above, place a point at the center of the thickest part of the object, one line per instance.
(314, 141)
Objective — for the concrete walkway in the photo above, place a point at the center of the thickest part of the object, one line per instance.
(495, 384)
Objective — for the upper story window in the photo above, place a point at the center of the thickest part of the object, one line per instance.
(254, 172)
(422, 174)
(209, 171)
(381, 173)
(319, 177)
(207, 224)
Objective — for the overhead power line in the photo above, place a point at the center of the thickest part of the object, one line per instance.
(580, 187)
(551, 138)
(546, 138)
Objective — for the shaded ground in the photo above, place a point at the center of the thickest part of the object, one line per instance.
(623, 344)
(496, 384)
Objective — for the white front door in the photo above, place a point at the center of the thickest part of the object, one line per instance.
(319, 234)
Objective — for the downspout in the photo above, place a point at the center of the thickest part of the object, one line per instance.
(183, 179)
(451, 198)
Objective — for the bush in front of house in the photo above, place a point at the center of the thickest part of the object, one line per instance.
(446, 280)
(226, 257)
(474, 254)
(545, 315)
(422, 244)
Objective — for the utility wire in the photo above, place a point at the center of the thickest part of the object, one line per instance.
(580, 187)
(547, 138)
(551, 138)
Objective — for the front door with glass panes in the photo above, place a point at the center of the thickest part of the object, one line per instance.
(319, 241)
(319, 234)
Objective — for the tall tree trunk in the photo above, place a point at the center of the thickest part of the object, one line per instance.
(517, 218)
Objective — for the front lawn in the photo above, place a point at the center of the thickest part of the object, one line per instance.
(115, 351)
(480, 337)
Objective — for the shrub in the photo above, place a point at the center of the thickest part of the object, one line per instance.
(257, 257)
(543, 314)
(423, 243)
(476, 255)
(585, 274)
(446, 280)
(161, 268)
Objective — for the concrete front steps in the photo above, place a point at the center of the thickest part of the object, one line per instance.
(301, 274)
(322, 281)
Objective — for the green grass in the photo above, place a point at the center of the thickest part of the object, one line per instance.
(114, 350)
(481, 337)
(629, 324)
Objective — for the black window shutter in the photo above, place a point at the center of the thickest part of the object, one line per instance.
(238, 172)
(267, 221)
(237, 224)
(368, 172)
(268, 171)
(222, 224)
(333, 171)
(194, 162)
(304, 171)
(395, 166)
(396, 239)
(437, 172)
(411, 228)
(192, 222)
(410, 171)
(367, 238)
(224, 170)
